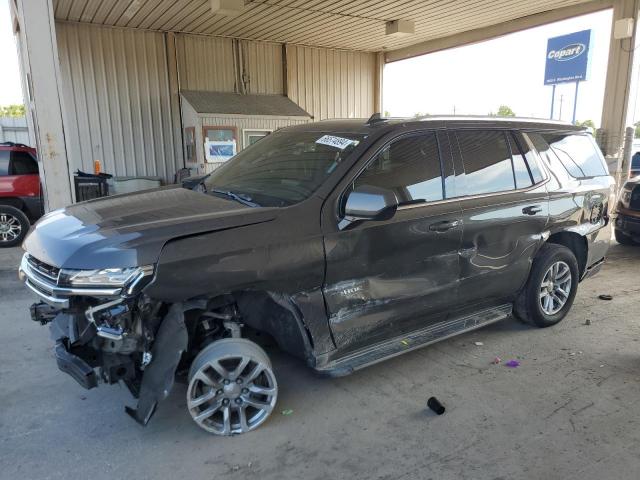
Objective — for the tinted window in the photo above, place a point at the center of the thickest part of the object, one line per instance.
(487, 162)
(410, 167)
(578, 153)
(635, 161)
(529, 157)
(520, 169)
(4, 162)
(23, 164)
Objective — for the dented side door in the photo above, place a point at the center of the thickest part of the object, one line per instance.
(386, 278)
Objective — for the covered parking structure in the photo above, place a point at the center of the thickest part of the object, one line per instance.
(103, 78)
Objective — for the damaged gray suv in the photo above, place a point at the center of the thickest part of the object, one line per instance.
(344, 243)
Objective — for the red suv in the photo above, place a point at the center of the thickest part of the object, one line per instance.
(20, 192)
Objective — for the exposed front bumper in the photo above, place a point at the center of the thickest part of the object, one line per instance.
(75, 366)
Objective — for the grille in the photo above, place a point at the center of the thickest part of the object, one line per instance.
(634, 204)
(48, 272)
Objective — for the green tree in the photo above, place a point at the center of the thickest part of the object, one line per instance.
(12, 111)
(505, 111)
(637, 132)
(592, 126)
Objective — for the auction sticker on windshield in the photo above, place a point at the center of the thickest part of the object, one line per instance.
(337, 142)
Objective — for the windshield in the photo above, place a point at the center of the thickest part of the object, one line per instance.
(283, 168)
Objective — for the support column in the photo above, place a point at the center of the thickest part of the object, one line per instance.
(618, 88)
(34, 27)
(378, 82)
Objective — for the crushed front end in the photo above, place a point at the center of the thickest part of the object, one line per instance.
(104, 328)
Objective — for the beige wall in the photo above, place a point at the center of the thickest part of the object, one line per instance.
(120, 89)
(331, 83)
(117, 105)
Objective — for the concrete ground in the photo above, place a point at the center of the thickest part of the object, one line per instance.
(570, 411)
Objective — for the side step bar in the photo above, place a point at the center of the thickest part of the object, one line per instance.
(420, 338)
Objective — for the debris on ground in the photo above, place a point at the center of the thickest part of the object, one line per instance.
(478, 344)
(497, 361)
(435, 405)
(288, 411)
(605, 296)
(512, 364)
(587, 321)
(405, 343)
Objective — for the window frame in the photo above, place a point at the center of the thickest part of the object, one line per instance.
(193, 159)
(247, 132)
(341, 199)
(536, 156)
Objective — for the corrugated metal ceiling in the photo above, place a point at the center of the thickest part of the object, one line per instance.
(347, 24)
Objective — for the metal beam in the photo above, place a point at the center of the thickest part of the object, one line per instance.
(38, 53)
(497, 30)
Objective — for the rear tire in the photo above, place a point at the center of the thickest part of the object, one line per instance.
(623, 238)
(14, 226)
(553, 282)
(232, 388)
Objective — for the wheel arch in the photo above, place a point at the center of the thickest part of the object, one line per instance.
(14, 202)
(576, 243)
(269, 312)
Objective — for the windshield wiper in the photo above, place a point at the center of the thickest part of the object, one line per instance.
(238, 197)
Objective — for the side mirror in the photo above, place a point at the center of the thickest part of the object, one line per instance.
(368, 202)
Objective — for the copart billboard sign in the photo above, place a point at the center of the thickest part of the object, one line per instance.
(567, 58)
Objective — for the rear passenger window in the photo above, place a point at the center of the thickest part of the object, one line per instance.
(4, 162)
(487, 162)
(23, 164)
(578, 154)
(410, 167)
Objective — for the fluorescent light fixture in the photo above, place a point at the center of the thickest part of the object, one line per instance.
(400, 28)
(228, 8)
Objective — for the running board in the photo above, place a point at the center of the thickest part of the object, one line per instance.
(412, 341)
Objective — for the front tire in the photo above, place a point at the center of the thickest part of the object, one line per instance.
(551, 288)
(232, 388)
(14, 226)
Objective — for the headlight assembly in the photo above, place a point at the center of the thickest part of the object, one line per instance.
(105, 277)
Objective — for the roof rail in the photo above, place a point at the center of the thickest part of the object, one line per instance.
(13, 144)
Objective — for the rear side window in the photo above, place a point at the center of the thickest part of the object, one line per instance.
(22, 164)
(4, 162)
(578, 154)
(487, 162)
(410, 167)
(529, 157)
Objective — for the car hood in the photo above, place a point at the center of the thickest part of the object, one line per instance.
(130, 230)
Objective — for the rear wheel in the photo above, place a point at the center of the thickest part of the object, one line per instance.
(14, 226)
(232, 387)
(551, 288)
(623, 238)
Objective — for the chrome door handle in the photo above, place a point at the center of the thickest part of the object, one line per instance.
(444, 225)
(532, 210)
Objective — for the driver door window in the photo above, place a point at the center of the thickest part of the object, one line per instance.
(410, 167)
